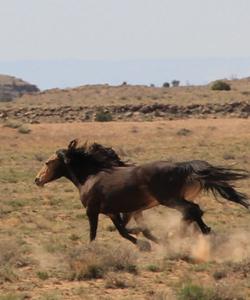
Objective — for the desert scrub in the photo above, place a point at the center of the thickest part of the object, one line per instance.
(116, 280)
(103, 116)
(184, 132)
(192, 291)
(195, 292)
(94, 261)
(12, 124)
(24, 129)
(153, 268)
(220, 85)
(43, 275)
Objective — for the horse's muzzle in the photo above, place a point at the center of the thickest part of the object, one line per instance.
(38, 182)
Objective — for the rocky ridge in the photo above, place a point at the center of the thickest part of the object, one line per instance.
(12, 87)
(140, 112)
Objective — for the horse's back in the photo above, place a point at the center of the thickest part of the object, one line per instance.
(127, 189)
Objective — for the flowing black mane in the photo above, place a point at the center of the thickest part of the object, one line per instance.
(90, 159)
(106, 156)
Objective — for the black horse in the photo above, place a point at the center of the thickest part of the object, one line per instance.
(105, 187)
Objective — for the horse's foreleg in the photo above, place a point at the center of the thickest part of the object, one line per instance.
(93, 223)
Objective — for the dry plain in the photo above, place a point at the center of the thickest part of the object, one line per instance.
(44, 249)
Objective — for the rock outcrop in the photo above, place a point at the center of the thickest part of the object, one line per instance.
(12, 87)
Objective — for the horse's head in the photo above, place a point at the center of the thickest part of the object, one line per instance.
(55, 166)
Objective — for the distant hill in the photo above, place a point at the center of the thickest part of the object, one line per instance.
(125, 94)
(12, 87)
(130, 102)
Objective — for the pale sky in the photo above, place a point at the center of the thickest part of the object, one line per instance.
(123, 29)
(60, 43)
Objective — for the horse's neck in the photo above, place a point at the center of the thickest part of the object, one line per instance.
(72, 177)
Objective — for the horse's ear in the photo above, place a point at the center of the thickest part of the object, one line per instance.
(72, 145)
(62, 155)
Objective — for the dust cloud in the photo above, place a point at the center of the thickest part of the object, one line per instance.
(179, 240)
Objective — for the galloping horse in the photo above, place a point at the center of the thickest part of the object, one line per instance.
(111, 187)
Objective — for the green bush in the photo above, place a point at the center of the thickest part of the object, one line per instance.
(195, 292)
(220, 85)
(103, 116)
(42, 275)
(166, 85)
(175, 83)
(24, 129)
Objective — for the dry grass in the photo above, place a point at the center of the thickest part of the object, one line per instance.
(44, 232)
(94, 261)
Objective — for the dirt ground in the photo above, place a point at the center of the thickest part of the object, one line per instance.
(44, 248)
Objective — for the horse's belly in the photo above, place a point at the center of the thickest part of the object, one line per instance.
(127, 201)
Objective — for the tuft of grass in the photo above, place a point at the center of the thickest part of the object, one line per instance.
(195, 292)
(184, 132)
(7, 274)
(153, 268)
(24, 129)
(118, 281)
(219, 274)
(74, 237)
(111, 228)
(42, 275)
(228, 156)
(12, 124)
(192, 291)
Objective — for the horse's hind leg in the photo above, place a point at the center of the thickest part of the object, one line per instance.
(143, 245)
(191, 213)
(143, 227)
(126, 217)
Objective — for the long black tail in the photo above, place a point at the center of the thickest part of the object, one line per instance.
(219, 180)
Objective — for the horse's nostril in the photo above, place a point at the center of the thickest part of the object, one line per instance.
(36, 180)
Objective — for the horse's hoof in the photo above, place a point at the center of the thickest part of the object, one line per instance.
(207, 230)
(144, 245)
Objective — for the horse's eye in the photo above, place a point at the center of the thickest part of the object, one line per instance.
(46, 163)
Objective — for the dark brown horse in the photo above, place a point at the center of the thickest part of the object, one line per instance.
(110, 189)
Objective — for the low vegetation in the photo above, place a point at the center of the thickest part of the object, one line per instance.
(220, 85)
(94, 261)
(103, 116)
(44, 233)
